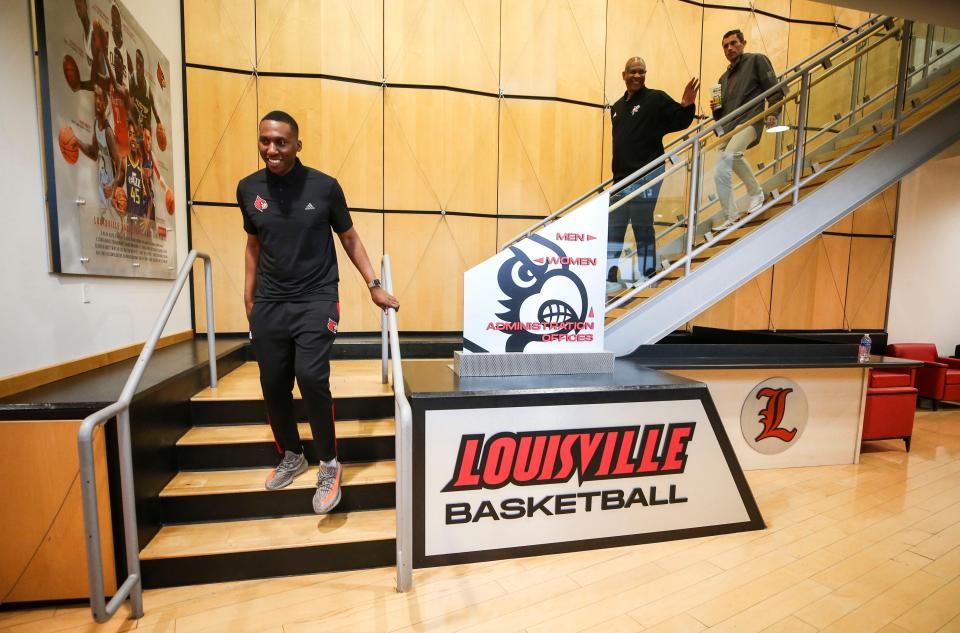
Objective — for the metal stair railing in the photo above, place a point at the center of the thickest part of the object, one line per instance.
(798, 181)
(133, 585)
(840, 44)
(403, 434)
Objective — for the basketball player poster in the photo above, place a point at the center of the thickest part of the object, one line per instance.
(105, 104)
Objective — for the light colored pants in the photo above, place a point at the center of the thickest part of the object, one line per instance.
(731, 160)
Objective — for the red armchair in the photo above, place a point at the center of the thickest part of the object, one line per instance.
(938, 379)
(891, 402)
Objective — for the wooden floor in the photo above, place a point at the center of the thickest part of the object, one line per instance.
(874, 547)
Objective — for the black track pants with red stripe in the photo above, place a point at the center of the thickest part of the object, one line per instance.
(293, 340)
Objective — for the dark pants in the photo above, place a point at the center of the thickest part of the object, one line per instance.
(638, 213)
(293, 339)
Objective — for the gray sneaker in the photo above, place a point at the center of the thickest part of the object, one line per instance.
(328, 488)
(290, 466)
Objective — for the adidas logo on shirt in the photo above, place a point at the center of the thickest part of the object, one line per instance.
(310, 207)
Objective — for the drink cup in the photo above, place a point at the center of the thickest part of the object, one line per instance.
(717, 93)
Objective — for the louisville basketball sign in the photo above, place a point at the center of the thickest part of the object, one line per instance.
(524, 480)
(774, 416)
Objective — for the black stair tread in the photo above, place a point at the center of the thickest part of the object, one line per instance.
(258, 535)
(348, 379)
(241, 480)
(257, 433)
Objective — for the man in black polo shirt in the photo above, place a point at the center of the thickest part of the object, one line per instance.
(290, 292)
(641, 117)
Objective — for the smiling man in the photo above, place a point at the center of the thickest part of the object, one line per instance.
(290, 212)
(641, 118)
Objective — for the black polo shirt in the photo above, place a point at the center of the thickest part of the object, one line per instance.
(639, 123)
(292, 216)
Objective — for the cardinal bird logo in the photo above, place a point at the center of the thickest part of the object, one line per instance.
(160, 77)
(260, 204)
(522, 278)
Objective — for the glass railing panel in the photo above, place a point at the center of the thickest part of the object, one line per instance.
(646, 218)
(945, 48)
(934, 70)
(832, 99)
(745, 161)
(878, 76)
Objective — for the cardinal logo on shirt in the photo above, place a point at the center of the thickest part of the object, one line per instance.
(635, 108)
(260, 204)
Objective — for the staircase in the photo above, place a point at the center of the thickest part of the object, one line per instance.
(841, 163)
(220, 523)
(861, 113)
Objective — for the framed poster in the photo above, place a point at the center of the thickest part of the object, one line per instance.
(105, 105)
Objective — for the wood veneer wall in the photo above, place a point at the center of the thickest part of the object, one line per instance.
(453, 125)
(42, 540)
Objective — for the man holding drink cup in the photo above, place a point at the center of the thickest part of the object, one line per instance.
(748, 75)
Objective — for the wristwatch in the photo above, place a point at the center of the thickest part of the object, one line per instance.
(374, 284)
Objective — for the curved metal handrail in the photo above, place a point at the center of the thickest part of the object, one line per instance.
(403, 435)
(133, 585)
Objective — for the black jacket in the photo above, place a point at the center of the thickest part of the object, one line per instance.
(639, 124)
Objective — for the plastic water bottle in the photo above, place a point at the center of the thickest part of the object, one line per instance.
(863, 354)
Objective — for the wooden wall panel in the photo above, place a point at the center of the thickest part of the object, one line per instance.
(219, 33)
(806, 39)
(777, 7)
(341, 127)
(223, 132)
(357, 312)
(441, 151)
(747, 308)
(508, 228)
(549, 154)
(843, 225)
(553, 48)
(41, 535)
(333, 37)
(219, 232)
(606, 149)
(420, 35)
(423, 149)
(429, 254)
(869, 284)
(822, 12)
(809, 285)
(877, 216)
